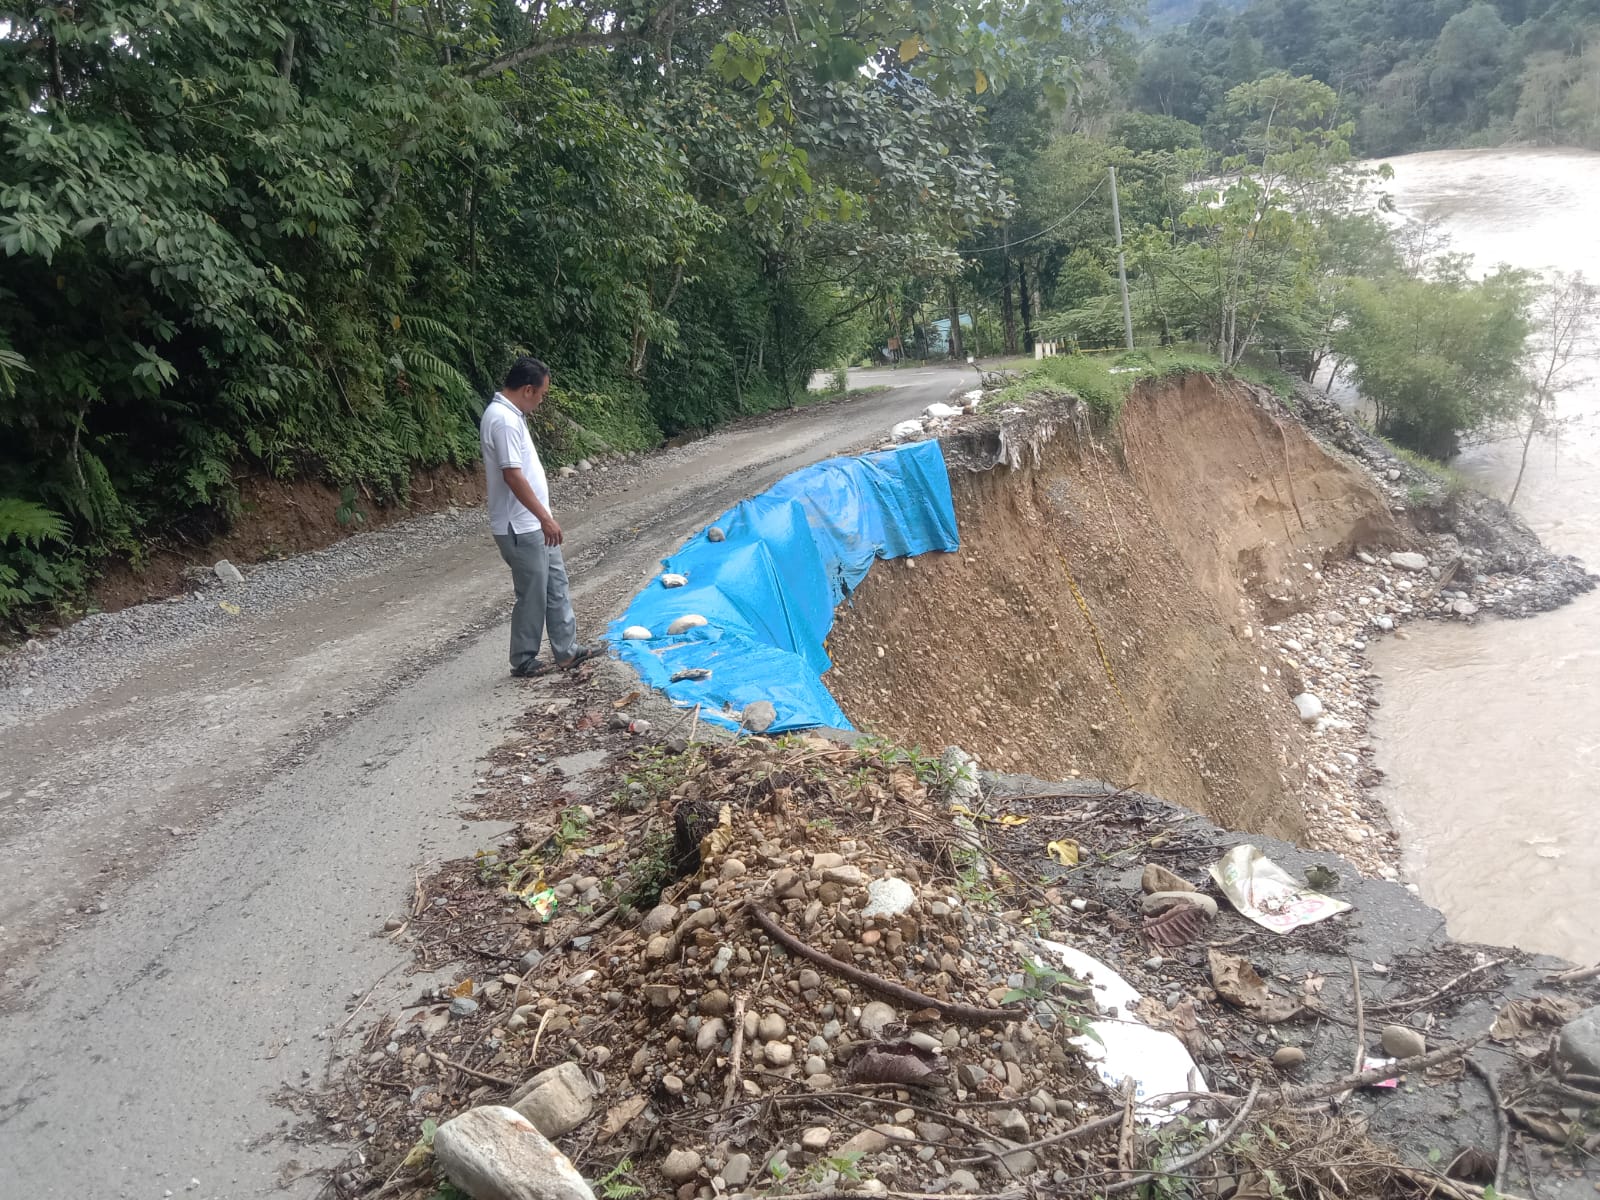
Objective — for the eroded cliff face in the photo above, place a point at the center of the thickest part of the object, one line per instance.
(1102, 617)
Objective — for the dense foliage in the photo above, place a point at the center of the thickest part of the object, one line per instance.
(305, 237)
(1414, 74)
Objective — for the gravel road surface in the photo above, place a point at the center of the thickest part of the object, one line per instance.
(207, 812)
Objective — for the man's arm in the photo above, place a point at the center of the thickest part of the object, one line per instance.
(523, 491)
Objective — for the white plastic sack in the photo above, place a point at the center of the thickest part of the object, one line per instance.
(1158, 1062)
(905, 430)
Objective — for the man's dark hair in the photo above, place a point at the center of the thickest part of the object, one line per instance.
(526, 372)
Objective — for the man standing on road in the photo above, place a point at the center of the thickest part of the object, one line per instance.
(524, 528)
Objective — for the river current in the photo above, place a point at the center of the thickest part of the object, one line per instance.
(1490, 734)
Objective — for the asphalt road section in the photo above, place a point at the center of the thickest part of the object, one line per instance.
(202, 836)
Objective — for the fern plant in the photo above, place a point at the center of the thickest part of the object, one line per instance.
(29, 523)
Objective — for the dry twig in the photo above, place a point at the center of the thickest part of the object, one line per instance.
(474, 1072)
(1421, 1001)
(1504, 1152)
(738, 1052)
(1188, 1160)
(965, 1014)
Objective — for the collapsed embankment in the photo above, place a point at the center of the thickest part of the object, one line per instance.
(788, 968)
(1104, 617)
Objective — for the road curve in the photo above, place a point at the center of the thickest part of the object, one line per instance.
(198, 851)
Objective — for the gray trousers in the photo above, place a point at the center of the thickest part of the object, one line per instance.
(539, 576)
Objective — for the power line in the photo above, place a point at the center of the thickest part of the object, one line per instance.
(1018, 241)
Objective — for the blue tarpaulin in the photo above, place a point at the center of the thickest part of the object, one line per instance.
(768, 592)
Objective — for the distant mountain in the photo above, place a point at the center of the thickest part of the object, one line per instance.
(1165, 14)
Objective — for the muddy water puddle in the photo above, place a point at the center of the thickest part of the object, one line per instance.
(1491, 734)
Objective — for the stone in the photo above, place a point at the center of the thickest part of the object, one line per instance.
(711, 1034)
(1406, 560)
(815, 1139)
(637, 633)
(875, 1016)
(681, 1165)
(1015, 1160)
(658, 920)
(736, 1171)
(962, 1182)
(962, 771)
(810, 981)
(848, 875)
(463, 1006)
(495, 1153)
(568, 472)
(683, 624)
(1012, 1124)
(772, 1027)
(1287, 1058)
(779, 1054)
(671, 580)
(1464, 608)
(758, 716)
(556, 1101)
(1157, 878)
(1578, 1044)
(585, 465)
(662, 995)
(888, 898)
(716, 1003)
(227, 572)
(715, 534)
(1402, 1041)
(1308, 706)
(1157, 902)
(870, 1141)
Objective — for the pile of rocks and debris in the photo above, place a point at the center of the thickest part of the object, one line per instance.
(1482, 557)
(788, 967)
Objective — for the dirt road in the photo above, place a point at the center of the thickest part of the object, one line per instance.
(202, 839)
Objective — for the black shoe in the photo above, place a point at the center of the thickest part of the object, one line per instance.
(528, 670)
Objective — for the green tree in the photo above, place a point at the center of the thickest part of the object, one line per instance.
(1440, 358)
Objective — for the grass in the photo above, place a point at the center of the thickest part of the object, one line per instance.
(1104, 381)
(819, 396)
(1453, 481)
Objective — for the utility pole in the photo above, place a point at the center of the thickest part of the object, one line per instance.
(1122, 267)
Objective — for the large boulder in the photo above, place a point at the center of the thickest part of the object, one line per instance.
(1579, 1044)
(494, 1153)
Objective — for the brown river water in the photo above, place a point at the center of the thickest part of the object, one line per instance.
(1490, 734)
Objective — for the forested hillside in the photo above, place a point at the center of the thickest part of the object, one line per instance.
(1414, 73)
(305, 237)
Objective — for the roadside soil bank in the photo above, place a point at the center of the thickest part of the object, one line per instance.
(277, 518)
(1148, 608)
(712, 1006)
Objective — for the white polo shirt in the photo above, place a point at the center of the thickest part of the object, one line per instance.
(504, 440)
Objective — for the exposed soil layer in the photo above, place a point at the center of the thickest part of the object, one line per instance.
(1103, 617)
(278, 518)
